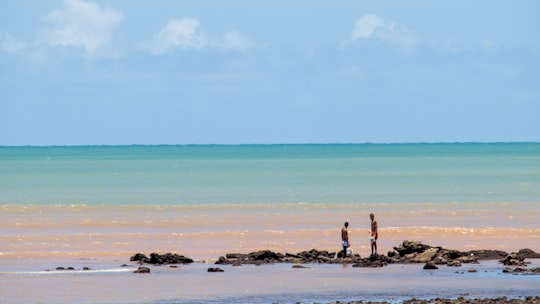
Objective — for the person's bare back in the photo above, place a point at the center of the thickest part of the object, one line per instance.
(345, 238)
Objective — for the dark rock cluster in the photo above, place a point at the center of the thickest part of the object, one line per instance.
(522, 270)
(161, 259)
(417, 252)
(528, 254)
(459, 300)
(268, 257)
(513, 259)
(304, 257)
(215, 269)
(61, 268)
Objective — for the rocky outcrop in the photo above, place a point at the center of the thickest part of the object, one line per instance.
(528, 254)
(304, 257)
(417, 252)
(513, 259)
(406, 252)
(161, 259)
(268, 257)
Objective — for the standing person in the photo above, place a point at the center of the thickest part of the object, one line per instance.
(345, 238)
(374, 234)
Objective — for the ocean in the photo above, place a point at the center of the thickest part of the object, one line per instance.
(98, 205)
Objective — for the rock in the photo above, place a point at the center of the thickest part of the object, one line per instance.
(450, 254)
(426, 256)
(440, 261)
(472, 270)
(222, 260)
(139, 257)
(488, 254)
(468, 259)
(323, 259)
(299, 266)
(528, 254)
(372, 261)
(408, 247)
(60, 268)
(161, 259)
(235, 255)
(215, 269)
(169, 258)
(392, 254)
(142, 270)
(265, 255)
(453, 263)
(513, 259)
(70, 268)
(86, 268)
(430, 266)
(522, 270)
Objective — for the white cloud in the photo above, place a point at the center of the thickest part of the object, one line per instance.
(11, 45)
(366, 26)
(178, 33)
(185, 33)
(84, 25)
(374, 27)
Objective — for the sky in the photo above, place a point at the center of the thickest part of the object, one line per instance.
(121, 72)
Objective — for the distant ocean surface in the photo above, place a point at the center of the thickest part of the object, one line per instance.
(95, 206)
(270, 174)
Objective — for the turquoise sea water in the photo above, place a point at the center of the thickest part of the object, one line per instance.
(271, 174)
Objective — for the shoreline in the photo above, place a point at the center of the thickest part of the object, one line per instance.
(265, 283)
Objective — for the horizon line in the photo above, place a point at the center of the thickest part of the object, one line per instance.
(273, 144)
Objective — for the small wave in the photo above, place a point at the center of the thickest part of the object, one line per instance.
(67, 271)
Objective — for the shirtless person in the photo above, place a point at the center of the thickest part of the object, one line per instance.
(374, 234)
(345, 238)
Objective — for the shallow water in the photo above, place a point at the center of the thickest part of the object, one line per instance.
(206, 232)
(260, 284)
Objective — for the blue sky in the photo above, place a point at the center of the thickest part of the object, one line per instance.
(79, 72)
